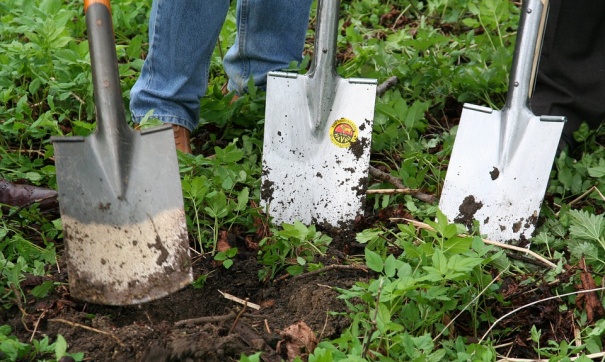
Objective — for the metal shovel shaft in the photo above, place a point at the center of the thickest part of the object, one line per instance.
(112, 132)
(525, 62)
(323, 78)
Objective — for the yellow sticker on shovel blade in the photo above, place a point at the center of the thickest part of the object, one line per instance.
(343, 132)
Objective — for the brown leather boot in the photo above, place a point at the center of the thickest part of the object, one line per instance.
(25, 195)
(225, 91)
(182, 137)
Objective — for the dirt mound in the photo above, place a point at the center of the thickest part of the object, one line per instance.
(196, 324)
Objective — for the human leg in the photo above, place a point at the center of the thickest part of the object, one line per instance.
(571, 75)
(269, 37)
(174, 77)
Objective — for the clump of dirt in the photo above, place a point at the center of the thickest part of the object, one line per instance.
(467, 210)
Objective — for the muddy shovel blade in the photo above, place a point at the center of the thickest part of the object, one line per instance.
(316, 175)
(501, 160)
(318, 130)
(120, 195)
(504, 200)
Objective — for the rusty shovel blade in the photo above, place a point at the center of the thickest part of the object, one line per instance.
(120, 194)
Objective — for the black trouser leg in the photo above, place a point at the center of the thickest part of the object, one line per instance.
(571, 74)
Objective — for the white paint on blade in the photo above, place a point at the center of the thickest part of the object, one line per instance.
(126, 255)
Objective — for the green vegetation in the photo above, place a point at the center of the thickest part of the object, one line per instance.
(444, 52)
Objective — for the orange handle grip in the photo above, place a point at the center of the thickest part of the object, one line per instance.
(87, 3)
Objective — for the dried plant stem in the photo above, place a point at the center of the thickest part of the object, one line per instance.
(78, 325)
(468, 305)
(581, 197)
(36, 325)
(487, 241)
(591, 356)
(203, 320)
(24, 314)
(243, 302)
(534, 303)
(383, 176)
(238, 316)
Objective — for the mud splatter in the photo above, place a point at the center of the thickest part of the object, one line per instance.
(517, 225)
(160, 247)
(361, 188)
(495, 173)
(359, 147)
(101, 268)
(266, 190)
(104, 207)
(532, 220)
(467, 209)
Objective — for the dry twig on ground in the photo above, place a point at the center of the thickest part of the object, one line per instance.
(386, 85)
(78, 325)
(383, 176)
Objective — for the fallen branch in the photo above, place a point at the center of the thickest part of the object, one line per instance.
(386, 85)
(239, 300)
(203, 320)
(486, 241)
(78, 325)
(383, 176)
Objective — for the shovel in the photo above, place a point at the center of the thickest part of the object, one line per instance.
(501, 160)
(120, 194)
(318, 130)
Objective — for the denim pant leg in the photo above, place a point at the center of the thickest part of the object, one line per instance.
(270, 36)
(182, 36)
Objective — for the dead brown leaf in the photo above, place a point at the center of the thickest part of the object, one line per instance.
(589, 301)
(223, 243)
(298, 341)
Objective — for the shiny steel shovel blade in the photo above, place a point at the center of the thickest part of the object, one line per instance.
(123, 220)
(501, 160)
(503, 194)
(316, 174)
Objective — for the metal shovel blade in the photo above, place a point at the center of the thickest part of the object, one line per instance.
(120, 195)
(501, 160)
(316, 175)
(318, 130)
(504, 200)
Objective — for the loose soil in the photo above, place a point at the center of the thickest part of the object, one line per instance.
(199, 324)
(194, 324)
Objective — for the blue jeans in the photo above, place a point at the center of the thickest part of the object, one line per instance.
(182, 35)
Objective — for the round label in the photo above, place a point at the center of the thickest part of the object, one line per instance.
(343, 132)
